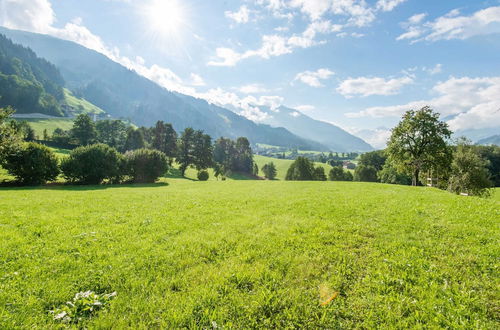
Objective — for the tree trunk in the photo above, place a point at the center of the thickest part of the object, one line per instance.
(415, 180)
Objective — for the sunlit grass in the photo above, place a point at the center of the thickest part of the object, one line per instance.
(251, 254)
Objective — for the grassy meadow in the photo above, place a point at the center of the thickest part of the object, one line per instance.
(251, 254)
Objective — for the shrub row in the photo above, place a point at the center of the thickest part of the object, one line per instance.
(34, 164)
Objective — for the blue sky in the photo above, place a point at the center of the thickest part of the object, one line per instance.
(358, 64)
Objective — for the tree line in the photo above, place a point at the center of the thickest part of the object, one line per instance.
(110, 151)
(420, 151)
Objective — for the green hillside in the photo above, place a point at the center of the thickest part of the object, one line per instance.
(253, 254)
(80, 105)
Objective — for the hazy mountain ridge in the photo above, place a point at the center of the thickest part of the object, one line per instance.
(325, 133)
(125, 94)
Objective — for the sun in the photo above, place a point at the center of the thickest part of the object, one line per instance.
(165, 16)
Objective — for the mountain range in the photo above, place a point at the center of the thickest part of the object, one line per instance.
(123, 93)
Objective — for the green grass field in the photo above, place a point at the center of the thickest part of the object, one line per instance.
(282, 165)
(251, 254)
(50, 124)
(81, 105)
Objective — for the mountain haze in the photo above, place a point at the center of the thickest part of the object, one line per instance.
(327, 134)
(123, 93)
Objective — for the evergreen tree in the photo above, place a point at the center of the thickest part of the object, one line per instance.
(269, 171)
(135, 140)
(186, 149)
(84, 130)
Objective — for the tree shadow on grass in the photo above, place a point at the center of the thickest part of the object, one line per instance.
(175, 173)
(68, 187)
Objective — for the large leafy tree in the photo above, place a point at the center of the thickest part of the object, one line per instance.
(469, 173)
(302, 169)
(9, 139)
(84, 129)
(419, 143)
(165, 139)
(202, 151)
(244, 156)
(186, 147)
(135, 139)
(112, 133)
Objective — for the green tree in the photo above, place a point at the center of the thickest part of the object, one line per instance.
(374, 158)
(492, 154)
(112, 132)
(165, 139)
(302, 169)
(319, 174)
(84, 130)
(135, 140)
(389, 174)
(92, 164)
(337, 173)
(145, 165)
(186, 147)
(202, 157)
(469, 173)
(419, 143)
(365, 173)
(244, 156)
(223, 154)
(32, 164)
(9, 139)
(45, 135)
(269, 171)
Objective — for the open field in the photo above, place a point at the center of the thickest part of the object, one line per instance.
(282, 165)
(251, 254)
(50, 124)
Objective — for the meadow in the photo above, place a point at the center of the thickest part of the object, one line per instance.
(251, 254)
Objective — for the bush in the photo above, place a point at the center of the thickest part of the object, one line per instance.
(302, 169)
(203, 175)
(365, 173)
(269, 171)
(389, 174)
(319, 174)
(93, 164)
(337, 173)
(145, 165)
(33, 163)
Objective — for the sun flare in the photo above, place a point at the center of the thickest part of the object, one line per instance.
(165, 16)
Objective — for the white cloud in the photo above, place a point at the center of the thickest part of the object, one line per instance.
(248, 106)
(438, 68)
(474, 103)
(38, 16)
(388, 5)
(417, 18)
(305, 107)
(252, 89)
(196, 80)
(452, 26)
(377, 137)
(366, 86)
(295, 114)
(485, 115)
(353, 13)
(241, 16)
(226, 57)
(28, 15)
(312, 78)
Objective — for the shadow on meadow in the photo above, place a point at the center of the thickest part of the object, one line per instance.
(67, 187)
